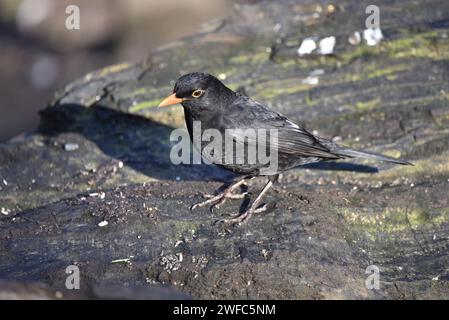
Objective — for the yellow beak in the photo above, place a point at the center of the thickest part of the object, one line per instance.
(170, 100)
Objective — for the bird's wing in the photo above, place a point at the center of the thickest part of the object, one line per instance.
(291, 138)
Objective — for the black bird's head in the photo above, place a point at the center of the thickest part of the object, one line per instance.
(199, 91)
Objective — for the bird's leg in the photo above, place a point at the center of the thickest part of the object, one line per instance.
(220, 198)
(244, 217)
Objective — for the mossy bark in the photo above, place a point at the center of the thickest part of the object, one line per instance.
(328, 225)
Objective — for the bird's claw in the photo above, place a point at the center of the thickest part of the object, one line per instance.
(244, 217)
(217, 200)
(265, 207)
(217, 204)
(240, 219)
(193, 206)
(238, 195)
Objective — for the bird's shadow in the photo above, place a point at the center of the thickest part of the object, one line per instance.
(143, 144)
(340, 166)
(140, 143)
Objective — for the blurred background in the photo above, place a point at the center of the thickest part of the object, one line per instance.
(39, 55)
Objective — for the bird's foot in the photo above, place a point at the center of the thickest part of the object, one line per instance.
(229, 196)
(217, 200)
(245, 216)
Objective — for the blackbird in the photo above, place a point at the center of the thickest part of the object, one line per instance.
(206, 100)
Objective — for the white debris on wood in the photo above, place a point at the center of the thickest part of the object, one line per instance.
(311, 80)
(307, 46)
(277, 27)
(372, 36)
(71, 146)
(101, 195)
(5, 211)
(170, 262)
(123, 260)
(327, 45)
(103, 223)
(317, 72)
(337, 139)
(264, 253)
(355, 38)
(5, 182)
(178, 243)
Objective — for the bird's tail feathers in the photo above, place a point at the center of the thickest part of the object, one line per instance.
(351, 153)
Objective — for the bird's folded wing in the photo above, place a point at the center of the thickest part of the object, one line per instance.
(291, 138)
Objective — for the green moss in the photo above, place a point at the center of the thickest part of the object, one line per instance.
(376, 72)
(391, 77)
(271, 89)
(433, 167)
(309, 101)
(418, 217)
(393, 219)
(233, 86)
(358, 52)
(112, 69)
(409, 45)
(145, 105)
(367, 105)
(287, 64)
(240, 59)
(392, 153)
(275, 92)
(418, 45)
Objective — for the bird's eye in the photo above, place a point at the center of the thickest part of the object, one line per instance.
(197, 93)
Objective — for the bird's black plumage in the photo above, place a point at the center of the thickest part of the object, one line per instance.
(207, 100)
